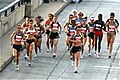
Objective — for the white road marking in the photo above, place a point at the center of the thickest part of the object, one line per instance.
(115, 79)
(119, 63)
(107, 67)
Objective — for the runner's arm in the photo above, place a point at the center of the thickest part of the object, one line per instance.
(43, 29)
(11, 36)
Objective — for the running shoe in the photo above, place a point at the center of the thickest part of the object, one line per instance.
(47, 50)
(36, 55)
(26, 57)
(107, 48)
(71, 57)
(54, 55)
(65, 1)
(13, 61)
(89, 54)
(29, 63)
(39, 50)
(68, 48)
(81, 57)
(17, 67)
(76, 72)
(109, 56)
(97, 55)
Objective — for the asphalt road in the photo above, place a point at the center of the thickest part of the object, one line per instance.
(46, 68)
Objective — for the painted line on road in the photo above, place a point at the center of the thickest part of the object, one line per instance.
(106, 67)
(115, 79)
(116, 43)
(119, 63)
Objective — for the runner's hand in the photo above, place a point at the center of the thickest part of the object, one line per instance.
(117, 31)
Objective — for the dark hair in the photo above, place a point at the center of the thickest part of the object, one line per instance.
(85, 18)
(73, 21)
(31, 20)
(40, 18)
(55, 16)
(112, 14)
(99, 15)
(77, 27)
(27, 17)
(80, 13)
(70, 15)
(18, 25)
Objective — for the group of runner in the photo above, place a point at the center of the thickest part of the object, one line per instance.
(77, 30)
(30, 33)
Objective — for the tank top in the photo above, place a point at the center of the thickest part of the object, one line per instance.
(98, 25)
(91, 27)
(31, 32)
(37, 27)
(84, 28)
(111, 28)
(69, 25)
(55, 26)
(78, 38)
(72, 30)
(78, 22)
(18, 37)
(25, 24)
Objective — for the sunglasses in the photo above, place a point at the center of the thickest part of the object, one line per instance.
(77, 30)
(49, 16)
(80, 14)
(37, 20)
(70, 16)
(19, 28)
(111, 18)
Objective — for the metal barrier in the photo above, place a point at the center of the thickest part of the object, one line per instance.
(11, 7)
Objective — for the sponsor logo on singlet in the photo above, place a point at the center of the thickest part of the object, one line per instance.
(111, 28)
(18, 38)
(38, 29)
(72, 31)
(78, 38)
(83, 30)
(55, 26)
(91, 29)
(98, 27)
(78, 23)
(32, 32)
